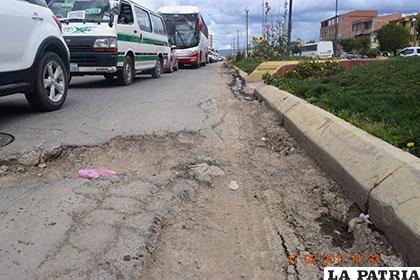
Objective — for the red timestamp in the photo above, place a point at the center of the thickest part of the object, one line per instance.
(342, 259)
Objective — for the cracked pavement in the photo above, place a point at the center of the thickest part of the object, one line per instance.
(98, 110)
(170, 214)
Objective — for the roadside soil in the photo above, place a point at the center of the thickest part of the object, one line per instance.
(286, 219)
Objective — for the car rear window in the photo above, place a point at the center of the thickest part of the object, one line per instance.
(38, 2)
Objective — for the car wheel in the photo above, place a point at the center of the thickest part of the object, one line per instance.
(157, 71)
(109, 77)
(126, 74)
(51, 84)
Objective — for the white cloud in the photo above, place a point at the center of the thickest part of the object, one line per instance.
(225, 17)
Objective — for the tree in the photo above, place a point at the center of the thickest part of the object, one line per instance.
(362, 45)
(393, 37)
(348, 44)
(418, 24)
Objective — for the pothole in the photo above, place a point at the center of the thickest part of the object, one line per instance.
(6, 139)
(338, 230)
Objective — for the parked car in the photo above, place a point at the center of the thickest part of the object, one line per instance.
(411, 51)
(350, 55)
(214, 57)
(173, 63)
(114, 39)
(34, 58)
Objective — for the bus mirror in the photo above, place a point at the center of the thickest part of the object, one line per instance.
(114, 6)
(200, 24)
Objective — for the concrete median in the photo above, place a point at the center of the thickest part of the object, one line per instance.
(383, 180)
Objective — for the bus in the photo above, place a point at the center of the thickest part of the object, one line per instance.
(323, 49)
(188, 34)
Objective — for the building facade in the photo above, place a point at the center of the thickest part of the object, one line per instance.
(345, 24)
(369, 27)
(210, 41)
(410, 23)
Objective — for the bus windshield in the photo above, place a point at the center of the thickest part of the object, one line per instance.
(182, 30)
(81, 10)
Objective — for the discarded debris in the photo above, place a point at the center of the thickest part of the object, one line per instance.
(205, 173)
(263, 139)
(3, 170)
(365, 218)
(95, 173)
(234, 186)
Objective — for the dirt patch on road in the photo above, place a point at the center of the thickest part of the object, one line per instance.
(286, 208)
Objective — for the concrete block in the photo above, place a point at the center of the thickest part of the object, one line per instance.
(394, 206)
(357, 161)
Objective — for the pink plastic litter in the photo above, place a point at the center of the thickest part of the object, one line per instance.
(95, 173)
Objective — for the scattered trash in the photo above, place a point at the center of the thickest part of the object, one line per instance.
(237, 87)
(263, 139)
(234, 186)
(42, 165)
(95, 173)
(365, 218)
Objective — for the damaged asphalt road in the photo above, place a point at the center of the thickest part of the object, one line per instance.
(174, 212)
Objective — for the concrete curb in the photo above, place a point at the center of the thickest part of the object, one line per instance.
(383, 180)
(242, 74)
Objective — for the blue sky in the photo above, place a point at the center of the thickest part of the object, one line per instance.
(225, 17)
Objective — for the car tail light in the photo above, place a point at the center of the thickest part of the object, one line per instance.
(57, 20)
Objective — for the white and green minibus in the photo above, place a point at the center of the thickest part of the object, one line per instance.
(116, 39)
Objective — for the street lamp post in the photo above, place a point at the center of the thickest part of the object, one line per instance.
(289, 31)
(336, 28)
(262, 18)
(247, 32)
(237, 41)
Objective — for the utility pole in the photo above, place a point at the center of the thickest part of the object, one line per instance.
(247, 32)
(336, 29)
(289, 31)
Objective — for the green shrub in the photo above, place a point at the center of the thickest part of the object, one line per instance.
(309, 69)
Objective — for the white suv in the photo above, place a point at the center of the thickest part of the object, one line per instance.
(411, 51)
(34, 58)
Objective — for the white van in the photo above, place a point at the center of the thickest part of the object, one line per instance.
(322, 49)
(113, 38)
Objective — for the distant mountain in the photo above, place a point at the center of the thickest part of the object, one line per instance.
(225, 53)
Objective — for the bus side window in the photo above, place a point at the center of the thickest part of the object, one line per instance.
(126, 14)
(143, 19)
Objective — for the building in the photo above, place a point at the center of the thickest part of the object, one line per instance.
(410, 23)
(369, 27)
(345, 24)
(210, 41)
